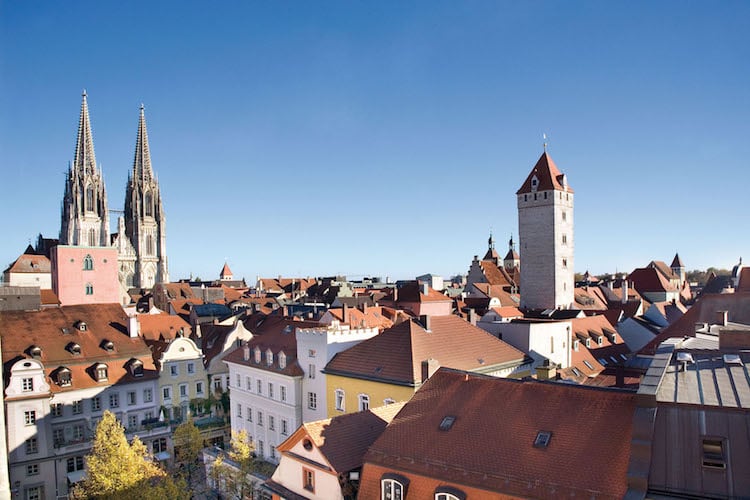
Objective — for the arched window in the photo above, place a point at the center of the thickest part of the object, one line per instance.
(101, 372)
(89, 289)
(149, 245)
(88, 263)
(391, 489)
(89, 199)
(148, 202)
(92, 237)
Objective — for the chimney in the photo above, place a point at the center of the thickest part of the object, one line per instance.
(425, 289)
(425, 320)
(624, 291)
(285, 311)
(395, 294)
(546, 371)
(429, 366)
(722, 317)
(345, 313)
(198, 332)
(611, 284)
(364, 307)
(473, 317)
(246, 352)
(133, 326)
(150, 302)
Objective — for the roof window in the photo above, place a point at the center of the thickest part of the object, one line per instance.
(732, 359)
(35, 352)
(136, 367)
(100, 372)
(256, 354)
(589, 365)
(64, 378)
(74, 348)
(80, 326)
(107, 345)
(542, 439)
(447, 422)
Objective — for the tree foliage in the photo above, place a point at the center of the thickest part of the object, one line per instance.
(234, 475)
(118, 470)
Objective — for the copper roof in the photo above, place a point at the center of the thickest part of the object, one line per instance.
(396, 355)
(490, 444)
(548, 177)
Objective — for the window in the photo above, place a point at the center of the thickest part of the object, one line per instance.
(88, 263)
(390, 489)
(90, 202)
(149, 245)
(311, 353)
(311, 371)
(132, 421)
(35, 493)
(340, 400)
(199, 387)
(159, 445)
(167, 392)
(183, 390)
(364, 402)
(564, 214)
(308, 479)
(58, 436)
(217, 384)
(56, 409)
(270, 390)
(446, 496)
(75, 463)
(564, 239)
(256, 354)
(148, 395)
(96, 403)
(713, 453)
(239, 383)
(131, 398)
(282, 360)
(260, 387)
(114, 400)
(191, 368)
(269, 357)
(29, 417)
(32, 470)
(552, 345)
(312, 401)
(282, 390)
(260, 418)
(77, 407)
(542, 439)
(249, 414)
(27, 384)
(575, 345)
(271, 423)
(173, 370)
(101, 372)
(32, 446)
(284, 427)
(565, 263)
(260, 448)
(78, 433)
(239, 410)
(64, 377)
(248, 384)
(89, 289)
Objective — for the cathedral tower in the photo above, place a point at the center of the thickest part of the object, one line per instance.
(85, 217)
(144, 216)
(545, 227)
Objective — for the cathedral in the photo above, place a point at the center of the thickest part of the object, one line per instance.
(140, 240)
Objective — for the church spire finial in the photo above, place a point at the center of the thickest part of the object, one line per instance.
(491, 241)
(510, 243)
(546, 141)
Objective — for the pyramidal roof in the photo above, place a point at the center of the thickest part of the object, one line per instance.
(547, 175)
(84, 159)
(142, 163)
(225, 271)
(677, 262)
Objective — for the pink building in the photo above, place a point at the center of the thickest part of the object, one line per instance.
(85, 275)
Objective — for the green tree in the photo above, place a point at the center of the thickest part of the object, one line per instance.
(233, 475)
(122, 471)
(188, 444)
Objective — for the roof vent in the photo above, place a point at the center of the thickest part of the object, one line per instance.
(732, 359)
(542, 439)
(447, 422)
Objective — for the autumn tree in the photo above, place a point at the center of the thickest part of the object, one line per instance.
(188, 444)
(233, 474)
(122, 471)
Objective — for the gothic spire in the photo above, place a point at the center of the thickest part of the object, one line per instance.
(84, 160)
(142, 163)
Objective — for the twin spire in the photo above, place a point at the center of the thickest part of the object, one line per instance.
(142, 162)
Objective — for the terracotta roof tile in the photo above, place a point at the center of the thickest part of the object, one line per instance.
(490, 444)
(30, 263)
(650, 279)
(548, 176)
(396, 355)
(163, 326)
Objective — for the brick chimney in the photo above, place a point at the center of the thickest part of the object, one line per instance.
(546, 371)
(473, 317)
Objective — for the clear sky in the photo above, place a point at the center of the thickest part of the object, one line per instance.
(386, 138)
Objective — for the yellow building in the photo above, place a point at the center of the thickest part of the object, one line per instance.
(390, 367)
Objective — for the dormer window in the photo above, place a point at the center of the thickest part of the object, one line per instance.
(588, 342)
(534, 183)
(100, 372)
(282, 360)
(256, 354)
(107, 345)
(81, 326)
(136, 368)
(599, 340)
(269, 357)
(35, 351)
(64, 377)
(74, 348)
(575, 345)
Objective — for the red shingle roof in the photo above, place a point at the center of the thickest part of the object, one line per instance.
(396, 355)
(548, 177)
(30, 263)
(490, 445)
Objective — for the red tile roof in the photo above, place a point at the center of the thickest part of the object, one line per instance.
(490, 444)
(548, 175)
(650, 279)
(412, 292)
(371, 317)
(163, 326)
(495, 275)
(225, 271)
(48, 297)
(30, 263)
(396, 355)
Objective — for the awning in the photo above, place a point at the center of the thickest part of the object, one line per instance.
(162, 455)
(74, 477)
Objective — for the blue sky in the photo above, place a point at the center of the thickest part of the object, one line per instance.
(386, 138)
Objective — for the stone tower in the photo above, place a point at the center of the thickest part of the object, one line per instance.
(145, 223)
(85, 217)
(545, 227)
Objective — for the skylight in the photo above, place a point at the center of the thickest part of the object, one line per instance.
(542, 439)
(447, 422)
(586, 362)
(732, 359)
